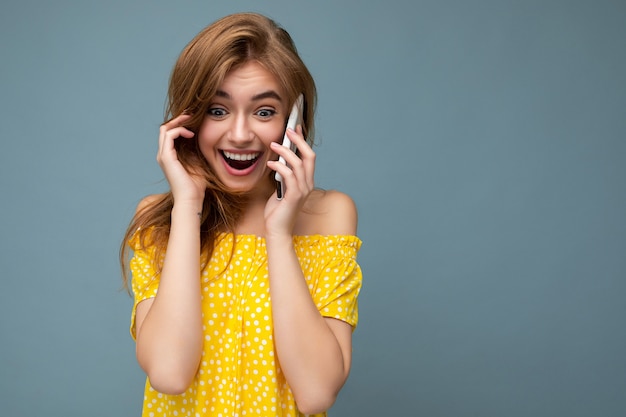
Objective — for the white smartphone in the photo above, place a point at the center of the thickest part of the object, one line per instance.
(295, 118)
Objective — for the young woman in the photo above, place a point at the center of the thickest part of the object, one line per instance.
(244, 304)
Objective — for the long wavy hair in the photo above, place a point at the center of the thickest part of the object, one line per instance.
(200, 70)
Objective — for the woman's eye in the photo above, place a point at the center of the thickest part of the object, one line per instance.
(217, 112)
(265, 113)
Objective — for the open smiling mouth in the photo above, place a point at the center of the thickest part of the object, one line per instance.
(240, 161)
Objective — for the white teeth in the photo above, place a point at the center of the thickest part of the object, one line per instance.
(241, 156)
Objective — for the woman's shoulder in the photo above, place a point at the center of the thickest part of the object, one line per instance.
(327, 213)
(148, 201)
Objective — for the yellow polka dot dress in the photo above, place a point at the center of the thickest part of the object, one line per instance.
(239, 373)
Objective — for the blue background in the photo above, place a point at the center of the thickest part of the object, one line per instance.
(483, 141)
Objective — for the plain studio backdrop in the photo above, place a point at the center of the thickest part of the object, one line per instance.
(483, 141)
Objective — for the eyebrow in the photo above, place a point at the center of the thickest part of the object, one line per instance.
(260, 96)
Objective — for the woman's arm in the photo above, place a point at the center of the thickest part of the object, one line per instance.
(315, 352)
(169, 326)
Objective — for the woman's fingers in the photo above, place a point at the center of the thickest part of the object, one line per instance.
(168, 137)
(300, 170)
(169, 132)
(183, 185)
(298, 177)
(303, 165)
(307, 155)
(177, 121)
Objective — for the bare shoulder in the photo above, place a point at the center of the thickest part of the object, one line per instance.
(148, 201)
(328, 213)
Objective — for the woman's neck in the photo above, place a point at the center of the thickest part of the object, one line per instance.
(252, 221)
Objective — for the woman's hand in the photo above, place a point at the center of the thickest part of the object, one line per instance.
(185, 186)
(298, 177)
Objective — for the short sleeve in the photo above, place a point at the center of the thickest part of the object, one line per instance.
(145, 279)
(334, 276)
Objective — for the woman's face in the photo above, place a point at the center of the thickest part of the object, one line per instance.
(246, 115)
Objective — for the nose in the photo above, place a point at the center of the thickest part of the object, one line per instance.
(240, 132)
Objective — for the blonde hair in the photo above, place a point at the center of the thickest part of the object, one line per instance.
(199, 71)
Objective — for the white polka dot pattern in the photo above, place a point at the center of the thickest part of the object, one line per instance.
(239, 374)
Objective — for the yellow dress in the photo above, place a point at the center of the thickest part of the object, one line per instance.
(239, 373)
